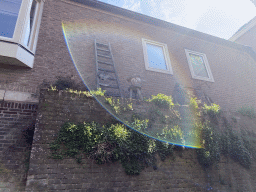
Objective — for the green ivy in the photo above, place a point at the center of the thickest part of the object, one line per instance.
(136, 151)
(228, 143)
(211, 152)
(247, 111)
(173, 134)
(164, 149)
(237, 146)
(107, 144)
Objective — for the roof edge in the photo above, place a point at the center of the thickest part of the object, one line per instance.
(157, 22)
(243, 29)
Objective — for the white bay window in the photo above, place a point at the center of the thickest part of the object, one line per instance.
(9, 11)
(19, 27)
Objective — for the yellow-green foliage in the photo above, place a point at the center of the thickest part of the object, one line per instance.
(129, 106)
(120, 131)
(140, 125)
(107, 144)
(52, 88)
(98, 92)
(86, 93)
(212, 110)
(162, 100)
(114, 103)
(174, 134)
(193, 103)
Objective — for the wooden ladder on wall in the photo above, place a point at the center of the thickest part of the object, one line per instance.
(107, 78)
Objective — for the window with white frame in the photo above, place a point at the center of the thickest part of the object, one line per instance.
(9, 11)
(156, 56)
(19, 27)
(199, 66)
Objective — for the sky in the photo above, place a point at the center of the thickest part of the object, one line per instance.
(221, 18)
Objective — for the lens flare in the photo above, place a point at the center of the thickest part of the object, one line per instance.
(155, 115)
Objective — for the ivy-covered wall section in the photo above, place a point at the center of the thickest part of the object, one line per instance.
(79, 146)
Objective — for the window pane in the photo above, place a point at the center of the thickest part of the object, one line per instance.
(156, 57)
(198, 65)
(9, 10)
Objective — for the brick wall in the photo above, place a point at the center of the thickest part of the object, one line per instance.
(233, 70)
(16, 125)
(180, 174)
(52, 58)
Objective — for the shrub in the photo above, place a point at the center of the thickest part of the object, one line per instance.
(211, 151)
(162, 100)
(140, 125)
(174, 134)
(247, 111)
(193, 103)
(106, 144)
(213, 110)
(63, 83)
(237, 147)
(228, 143)
(164, 149)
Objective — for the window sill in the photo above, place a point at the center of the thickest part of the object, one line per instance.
(203, 79)
(159, 70)
(14, 54)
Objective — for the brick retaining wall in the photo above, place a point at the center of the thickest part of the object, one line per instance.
(16, 120)
(182, 173)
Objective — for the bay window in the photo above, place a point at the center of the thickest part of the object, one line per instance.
(19, 27)
(9, 11)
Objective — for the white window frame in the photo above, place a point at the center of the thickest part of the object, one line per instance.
(207, 66)
(165, 53)
(35, 28)
(23, 53)
(23, 20)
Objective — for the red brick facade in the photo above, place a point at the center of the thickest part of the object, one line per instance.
(233, 68)
(17, 122)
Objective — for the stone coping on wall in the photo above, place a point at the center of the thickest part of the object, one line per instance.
(18, 96)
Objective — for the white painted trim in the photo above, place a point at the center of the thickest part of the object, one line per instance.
(36, 27)
(250, 25)
(19, 32)
(207, 66)
(14, 51)
(165, 52)
(25, 57)
(15, 55)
